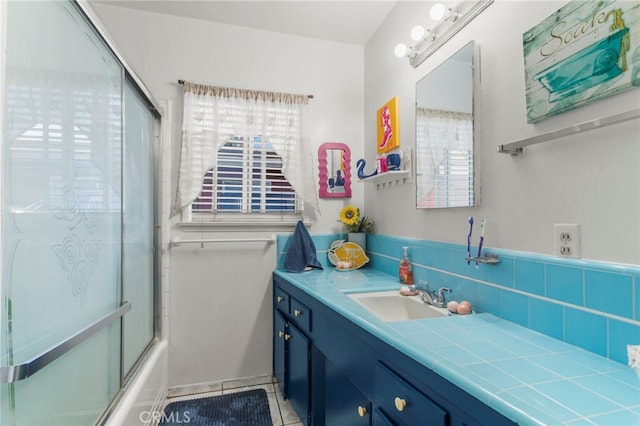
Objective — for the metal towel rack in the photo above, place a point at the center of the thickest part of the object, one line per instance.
(177, 241)
(13, 373)
(517, 148)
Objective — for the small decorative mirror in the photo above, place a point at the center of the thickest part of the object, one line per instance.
(334, 170)
(445, 133)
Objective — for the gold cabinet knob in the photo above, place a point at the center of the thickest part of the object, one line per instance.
(281, 334)
(280, 299)
(401, 404)
(287, 336)
(297, 312)
(362, 411)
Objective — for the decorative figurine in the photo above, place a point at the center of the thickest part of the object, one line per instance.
(360, 165)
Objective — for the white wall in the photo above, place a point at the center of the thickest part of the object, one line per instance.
(590, 178)
(220, 296)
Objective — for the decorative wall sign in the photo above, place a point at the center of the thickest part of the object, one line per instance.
(585, 51)
(388, 128)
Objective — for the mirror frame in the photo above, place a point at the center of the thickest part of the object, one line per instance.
(475, 90)
(323, 171)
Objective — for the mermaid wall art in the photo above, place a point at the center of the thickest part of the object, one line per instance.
(387, 119)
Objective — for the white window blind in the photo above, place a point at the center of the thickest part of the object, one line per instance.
(247, 178)
(445, 156)
(454, 179)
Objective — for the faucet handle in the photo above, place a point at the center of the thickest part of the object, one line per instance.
(441, 291)
(423, 282)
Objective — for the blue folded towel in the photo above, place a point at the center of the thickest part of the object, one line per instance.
(301, 252)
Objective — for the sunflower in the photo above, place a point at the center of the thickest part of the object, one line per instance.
(349, 215)
(352, 220)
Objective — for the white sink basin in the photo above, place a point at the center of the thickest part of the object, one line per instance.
(392, 306)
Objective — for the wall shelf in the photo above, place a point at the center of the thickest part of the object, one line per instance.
(390, 178)
(393, 178)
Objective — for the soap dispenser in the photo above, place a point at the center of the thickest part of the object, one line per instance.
(405, 271)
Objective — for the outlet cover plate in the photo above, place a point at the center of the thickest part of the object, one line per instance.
(566, 240)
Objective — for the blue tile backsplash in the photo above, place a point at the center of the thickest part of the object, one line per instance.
(592, 305)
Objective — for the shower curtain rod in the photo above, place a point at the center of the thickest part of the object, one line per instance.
(176, 241)
(183, 82)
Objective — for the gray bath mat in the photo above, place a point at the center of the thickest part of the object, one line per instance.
(248, 408)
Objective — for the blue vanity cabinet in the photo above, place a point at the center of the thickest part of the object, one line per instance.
(292, 351)
(281, 300)
(379, 419)
(279, 345)
(402, 403)
(356, 378)
(344, 403)
(297, 371)
(301, 315)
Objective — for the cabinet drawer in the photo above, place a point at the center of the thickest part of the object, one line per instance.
(301, 315)
(281, 300)
(379, 419)
(403, 403)
(344, 404)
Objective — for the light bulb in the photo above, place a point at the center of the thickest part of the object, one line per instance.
(400, 50)
(437, 11)
(417, 33)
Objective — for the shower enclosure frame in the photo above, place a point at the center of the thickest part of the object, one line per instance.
(22, 371)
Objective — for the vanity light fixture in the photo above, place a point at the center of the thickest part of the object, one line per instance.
(437, 12)
(401, 50)
(449, 22)
(417, 33)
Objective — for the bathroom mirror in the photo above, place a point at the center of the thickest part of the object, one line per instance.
(446, 132)
(334, 170)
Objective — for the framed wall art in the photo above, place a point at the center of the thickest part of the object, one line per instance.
(388, 128)
(586, 50)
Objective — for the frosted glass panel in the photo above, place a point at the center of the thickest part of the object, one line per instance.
(66, 393)
(138, 278)
(61, 212)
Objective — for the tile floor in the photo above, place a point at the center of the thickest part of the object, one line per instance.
(282, 413)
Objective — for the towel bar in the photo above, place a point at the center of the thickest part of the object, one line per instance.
(14, 373)
(176, 241)
(517, 148)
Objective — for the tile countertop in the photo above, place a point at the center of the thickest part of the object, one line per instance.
(527, 376)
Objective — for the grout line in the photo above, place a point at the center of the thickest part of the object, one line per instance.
(278, 396)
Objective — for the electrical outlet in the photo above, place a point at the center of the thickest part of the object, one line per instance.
(566, 239)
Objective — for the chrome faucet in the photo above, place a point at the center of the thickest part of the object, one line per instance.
(434, 298)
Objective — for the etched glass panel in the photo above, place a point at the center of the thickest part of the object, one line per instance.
(61, 213)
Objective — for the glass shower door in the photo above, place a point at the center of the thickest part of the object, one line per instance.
(138, 227)
(61, 217)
